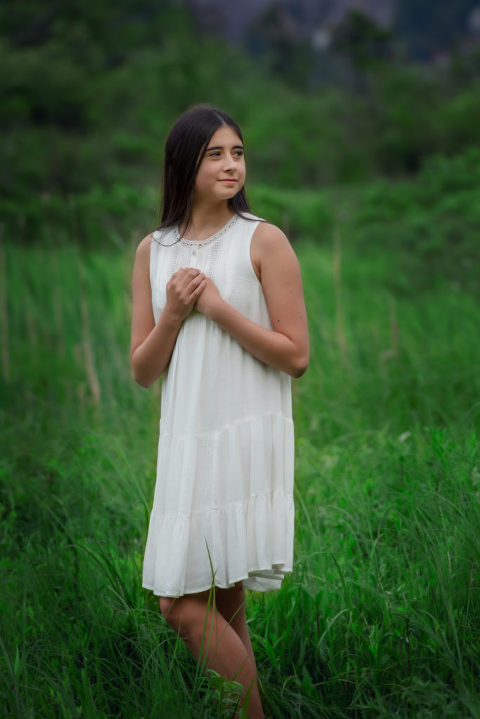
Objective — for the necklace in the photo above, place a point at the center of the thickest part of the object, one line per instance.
(208, 240)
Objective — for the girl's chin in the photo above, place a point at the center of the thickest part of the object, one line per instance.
(221, 193)
(232, 189)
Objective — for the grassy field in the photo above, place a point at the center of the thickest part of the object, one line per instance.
(381, 616)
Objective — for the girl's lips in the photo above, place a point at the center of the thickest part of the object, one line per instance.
(229, 181)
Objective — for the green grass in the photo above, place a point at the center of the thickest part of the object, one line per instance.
(381, 615)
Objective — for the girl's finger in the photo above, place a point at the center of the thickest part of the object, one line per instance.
(197, 291)
(200, 285)
(196, 280)
(192, 271)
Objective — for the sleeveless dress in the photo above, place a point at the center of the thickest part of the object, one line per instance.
(223, 507)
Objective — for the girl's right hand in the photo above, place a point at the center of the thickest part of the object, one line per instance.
(183, 290)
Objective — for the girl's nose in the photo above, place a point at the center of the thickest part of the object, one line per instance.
(229, 163)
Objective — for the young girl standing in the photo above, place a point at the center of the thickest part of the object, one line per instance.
(218, 310)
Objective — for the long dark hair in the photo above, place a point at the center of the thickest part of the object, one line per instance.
(185, 147)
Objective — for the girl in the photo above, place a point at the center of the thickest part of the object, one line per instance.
(218, 310)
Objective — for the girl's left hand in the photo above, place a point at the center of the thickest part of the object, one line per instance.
(209, 299)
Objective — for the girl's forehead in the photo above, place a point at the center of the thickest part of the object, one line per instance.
(224, 136)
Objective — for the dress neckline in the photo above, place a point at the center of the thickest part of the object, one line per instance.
(207, 240)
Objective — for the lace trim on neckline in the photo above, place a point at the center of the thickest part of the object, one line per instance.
(207, 240)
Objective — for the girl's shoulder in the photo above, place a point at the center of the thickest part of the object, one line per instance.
(145, 243)
(155, 238)
(265, 231)
(142, 254)
(269, 236)
(268, 241)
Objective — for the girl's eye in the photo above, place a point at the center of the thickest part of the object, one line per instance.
(214, 154)
(238, 153)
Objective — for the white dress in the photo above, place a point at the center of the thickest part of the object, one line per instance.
(223, 508)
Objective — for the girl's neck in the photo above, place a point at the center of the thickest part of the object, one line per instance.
(206, 220)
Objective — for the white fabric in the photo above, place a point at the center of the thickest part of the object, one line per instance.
(223, 505)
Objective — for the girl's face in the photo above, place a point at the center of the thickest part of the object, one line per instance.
(222, 171)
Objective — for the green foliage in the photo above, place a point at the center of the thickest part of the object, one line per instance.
(306, 213)
(360, 38)
(431, 225)
(89, 93)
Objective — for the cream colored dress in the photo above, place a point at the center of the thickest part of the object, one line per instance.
(223, 509)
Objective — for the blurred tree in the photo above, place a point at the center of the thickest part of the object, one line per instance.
(278, 35)
(362, 40)
(72, 72)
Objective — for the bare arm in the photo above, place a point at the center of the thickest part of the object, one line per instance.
(285, 346)
(152, 344)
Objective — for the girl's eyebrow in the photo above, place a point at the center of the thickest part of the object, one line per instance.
(220, 147)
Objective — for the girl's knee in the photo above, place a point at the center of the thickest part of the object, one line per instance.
(181, 614)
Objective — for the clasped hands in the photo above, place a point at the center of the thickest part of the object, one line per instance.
(189, 289)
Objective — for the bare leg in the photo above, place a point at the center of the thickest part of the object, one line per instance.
(213, 641)
(231, 605)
